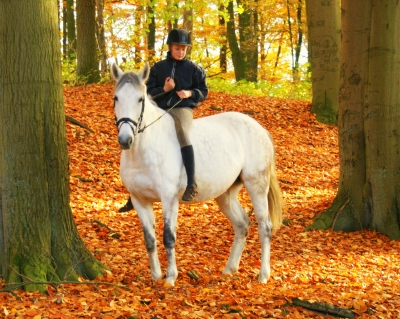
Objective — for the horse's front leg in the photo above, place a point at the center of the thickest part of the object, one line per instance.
(170, 212)
(146, 216)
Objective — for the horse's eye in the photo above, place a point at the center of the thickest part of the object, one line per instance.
(115, 98)
(141, 100)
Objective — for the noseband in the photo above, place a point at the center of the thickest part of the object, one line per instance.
(135, 126)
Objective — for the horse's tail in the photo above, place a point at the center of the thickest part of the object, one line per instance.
(275, 203)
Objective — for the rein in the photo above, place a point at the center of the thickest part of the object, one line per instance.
(137, 124)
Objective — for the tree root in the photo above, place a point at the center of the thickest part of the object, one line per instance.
(324, 307)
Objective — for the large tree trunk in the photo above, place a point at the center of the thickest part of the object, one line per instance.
(86, 46)
(39, 240)
(369, 119)
(324, 41)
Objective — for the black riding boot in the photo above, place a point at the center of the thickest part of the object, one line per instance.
(128, 206)
(188, 162)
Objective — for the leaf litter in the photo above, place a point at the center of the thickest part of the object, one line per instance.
(357, 271)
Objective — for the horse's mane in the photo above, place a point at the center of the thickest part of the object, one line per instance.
(128, 77)
(132, 77)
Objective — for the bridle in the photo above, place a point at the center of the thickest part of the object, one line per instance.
(129, 121)
(135, 126)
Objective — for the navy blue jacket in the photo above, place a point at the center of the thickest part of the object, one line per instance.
(187, 76)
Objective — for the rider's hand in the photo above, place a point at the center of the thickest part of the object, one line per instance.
(169, 84)
(184, 94)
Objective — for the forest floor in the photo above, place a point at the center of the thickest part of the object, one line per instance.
(357, 271)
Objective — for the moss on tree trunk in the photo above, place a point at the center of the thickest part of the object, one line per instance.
(40, 241)
(369, 121)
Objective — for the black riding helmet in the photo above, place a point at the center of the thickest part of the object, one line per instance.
(179, 36)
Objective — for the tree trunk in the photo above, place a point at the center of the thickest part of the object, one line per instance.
(138, 38)
(324, 38)
(245, 56)
(101, 37)
(39, 239)
(289, 20)
(369, 118)
(248, 33)
(188, 16)
(299, 42)
(86, 46)
(151, 36)
(223, 50)
(64, 30)
(71, 30)
(237, 58)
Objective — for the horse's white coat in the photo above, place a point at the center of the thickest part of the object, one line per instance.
(231, 149)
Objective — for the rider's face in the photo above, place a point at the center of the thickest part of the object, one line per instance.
(178, 51)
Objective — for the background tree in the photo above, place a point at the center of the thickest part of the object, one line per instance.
(86, 45)
(369, 121)
(245, 50)
(151, 35)
(38, 238)
(324, 37)
(101, 37)
(223, 46)
(71, 30)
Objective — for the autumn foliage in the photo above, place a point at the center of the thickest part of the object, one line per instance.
(358, 271)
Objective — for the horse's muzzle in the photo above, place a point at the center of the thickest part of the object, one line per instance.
(125, 142)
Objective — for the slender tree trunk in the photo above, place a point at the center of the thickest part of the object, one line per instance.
(369, 119)
(324, 34)
(137, 40)
(86, 46)
(71, 30)
(237, 58)
(64, 30)
(299, 42)
(223, 49)
(151, 36)
(39, 239)
(289, 20)
(101, 36)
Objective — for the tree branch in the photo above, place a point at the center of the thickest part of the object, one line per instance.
(76, 122)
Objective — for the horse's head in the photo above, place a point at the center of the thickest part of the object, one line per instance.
(129, 98)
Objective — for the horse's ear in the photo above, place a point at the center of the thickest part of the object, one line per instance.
(145, 72)
(116, 71)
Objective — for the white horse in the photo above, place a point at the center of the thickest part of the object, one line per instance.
(231, 149)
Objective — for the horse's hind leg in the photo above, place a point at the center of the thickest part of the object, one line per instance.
(257, 187)
(230, 206)
(146, 216)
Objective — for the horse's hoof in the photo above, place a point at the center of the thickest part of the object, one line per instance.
(169, 282)
(262, 279)
(156, 276)
(190, 193)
